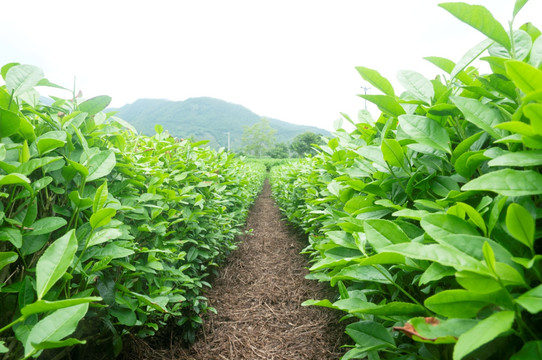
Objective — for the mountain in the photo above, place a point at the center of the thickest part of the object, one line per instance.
(204, 118)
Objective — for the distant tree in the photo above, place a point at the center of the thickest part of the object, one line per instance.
(258, 138)
(279, 151)
(302, 143)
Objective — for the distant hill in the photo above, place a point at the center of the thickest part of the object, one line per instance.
(203, 118)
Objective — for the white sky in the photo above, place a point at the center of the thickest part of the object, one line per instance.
(293, 60)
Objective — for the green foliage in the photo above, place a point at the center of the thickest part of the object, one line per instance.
(258, 138)
(426, 220)
(303, 144)
(103, 230)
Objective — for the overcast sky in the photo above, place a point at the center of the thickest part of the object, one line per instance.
(293, 60)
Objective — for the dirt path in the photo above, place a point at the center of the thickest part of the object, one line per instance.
(258, 295)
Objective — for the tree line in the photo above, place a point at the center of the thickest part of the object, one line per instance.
(259, 141)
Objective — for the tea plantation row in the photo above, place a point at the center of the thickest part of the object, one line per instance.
(103, 230)
(427, 219)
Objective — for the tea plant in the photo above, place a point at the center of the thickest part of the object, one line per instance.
(425, 219)
(103, 231)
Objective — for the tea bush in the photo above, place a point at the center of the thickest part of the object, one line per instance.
(425, 219)
(103, 231)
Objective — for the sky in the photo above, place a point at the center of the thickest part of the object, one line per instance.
(292, 60)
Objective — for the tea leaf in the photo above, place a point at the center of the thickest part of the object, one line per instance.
(12, 235)
(483, 332)
(54, 327)
(525, 76)
(360, 273)
(54, 262)
(392, 152)
(100, 165)
(508, 182)
(374, 78)
(535, 58)
(16, 179)
(95, 105)
(520, 224)
(470, 56)
(519, 5)
(370, 334)
(417, 85)
(50, 141)
(531, 350)
(100, 197)
(386, 104)
(459, 303)
(47, 225)
(41, 306)
(426, 131)
(102, 217)
(9, 122)
(21, 78)
(481, 115)
(479, 18)
(7, 258)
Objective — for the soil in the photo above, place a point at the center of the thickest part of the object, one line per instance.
(258, 295)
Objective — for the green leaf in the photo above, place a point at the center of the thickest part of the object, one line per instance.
(54, 327)
(361, 273)
(47, 225)
(520, 224)
(536, 53)
(95, 105)
(381, 233)
(466, 144)
(370, 334)
(534, 113)
(483, 332)
(21, 78)
(100, 197)
(531, 300)
(525, 76)
(386, 104)
(12, 235)
(479, 114)
(3, 348)
(111, 250)
(460, 303)
(426, 131)
(522, 47)
(9, 123)
(470, 56)
(54, 262)
(479, 18)
(81, 203)
(79, 168)
(441, 253)
(362, 306)
(16, 179)
(58, 344)
(520, 158)
(417, 85)
(50, 141)
(374, 78)
(104, 235)
(508, 182)
(392, 152)
(7, 258)
(439, 225)
(41, 306)
(100, 165)
(102, 217)
(531, 350)
(477, 283)
(519, 5)
(29, 166)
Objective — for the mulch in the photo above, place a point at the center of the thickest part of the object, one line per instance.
(258, 295)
